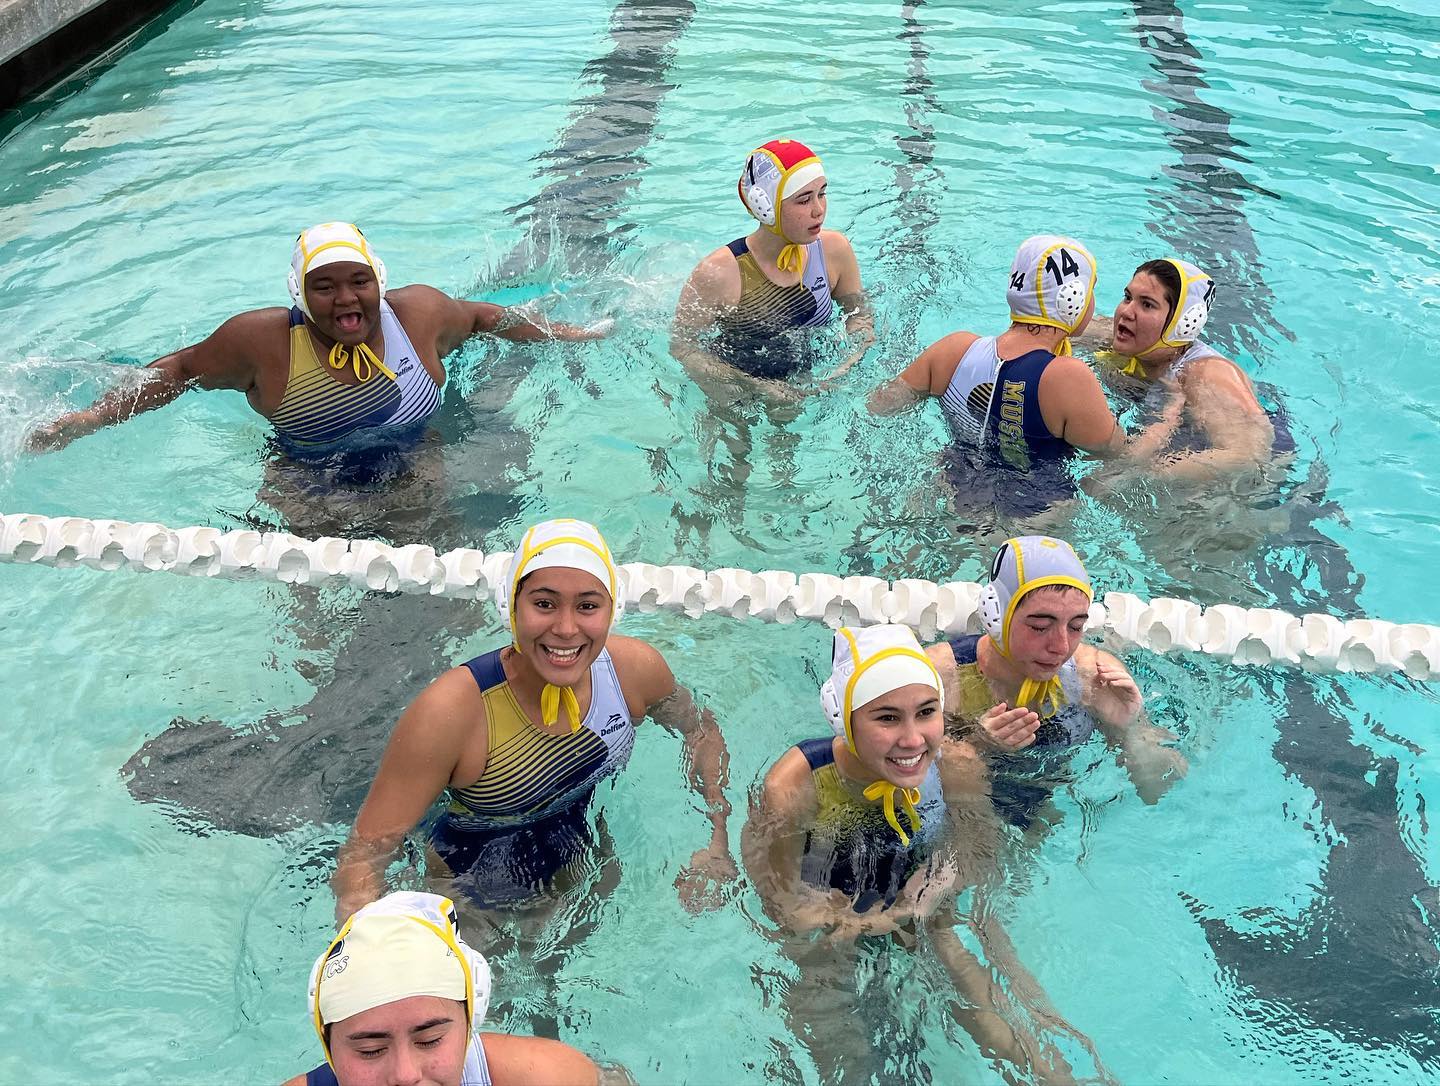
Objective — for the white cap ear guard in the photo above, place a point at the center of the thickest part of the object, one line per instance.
(867, 663)
(1019, 566)
(1192, 306)
(329, 243)
(404, 945)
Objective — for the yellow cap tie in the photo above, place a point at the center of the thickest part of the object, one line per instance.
(908, 798)
(361, 356)
(792, 259)
(1063, 348)
(1046, 696)
(550, 698)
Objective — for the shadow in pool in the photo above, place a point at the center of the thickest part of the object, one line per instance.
(315, 763)
(1362, 960)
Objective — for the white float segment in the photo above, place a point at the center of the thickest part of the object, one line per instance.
(1261, 636)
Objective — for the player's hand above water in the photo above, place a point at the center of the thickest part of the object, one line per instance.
(1010, 729)
(1116, 697)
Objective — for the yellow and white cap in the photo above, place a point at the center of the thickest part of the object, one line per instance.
(1021, 565)
(868, 662)
(1052, 283)
(329, 243)
(404, 945)
(560, 544)
(1192, 308)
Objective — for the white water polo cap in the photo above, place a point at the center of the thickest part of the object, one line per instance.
(404, 945)
(1192, 307)
(560, 544)
(1021, 565)
(329, 243)
(1052, 283)
(868, 663)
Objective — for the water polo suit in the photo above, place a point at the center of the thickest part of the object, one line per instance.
(1021, 781)
(476, 1071)
(318, 413)
(992, 407)
(751, 336)
(506, 835)
(851, 848)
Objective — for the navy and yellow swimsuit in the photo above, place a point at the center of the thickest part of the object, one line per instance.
(851, 848)
(1003, 453)
(318, 414)
(1021, 781)
(507, 834)
(752, 336)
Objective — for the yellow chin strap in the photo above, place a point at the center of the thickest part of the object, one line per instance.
(364, 361)
(908, 798)
(1045, 696)
(791, 258)
(550, 700)
(1127, 364)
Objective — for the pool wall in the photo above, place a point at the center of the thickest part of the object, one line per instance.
(43, 41)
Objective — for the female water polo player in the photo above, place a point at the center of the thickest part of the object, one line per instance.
(742, 306)
(398, 999)
(1030, 682)
(870, 832)
(1154, 337)
(518, 739)
(347, 362)
(1018, 404)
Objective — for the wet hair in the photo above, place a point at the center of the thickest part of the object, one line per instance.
(1168, 277)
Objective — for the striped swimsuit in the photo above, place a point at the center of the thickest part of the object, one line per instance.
(318, 413)
(851, 848)
(507, 834)
(752, 336)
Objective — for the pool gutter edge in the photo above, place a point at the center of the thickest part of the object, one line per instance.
(44, 41)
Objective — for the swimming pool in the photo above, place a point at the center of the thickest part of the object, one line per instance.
(1272, 919)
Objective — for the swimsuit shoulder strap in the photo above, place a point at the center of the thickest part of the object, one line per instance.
(818, 752)
(966, 649)
(487, 670)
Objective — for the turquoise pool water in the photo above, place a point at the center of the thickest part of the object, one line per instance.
(1273, 919)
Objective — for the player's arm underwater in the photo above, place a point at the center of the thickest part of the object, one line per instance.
(419, 761)
(707, 765)
(1221, 401)
(226, 359)
(850, 296)
(701, 299)
(773, 845)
